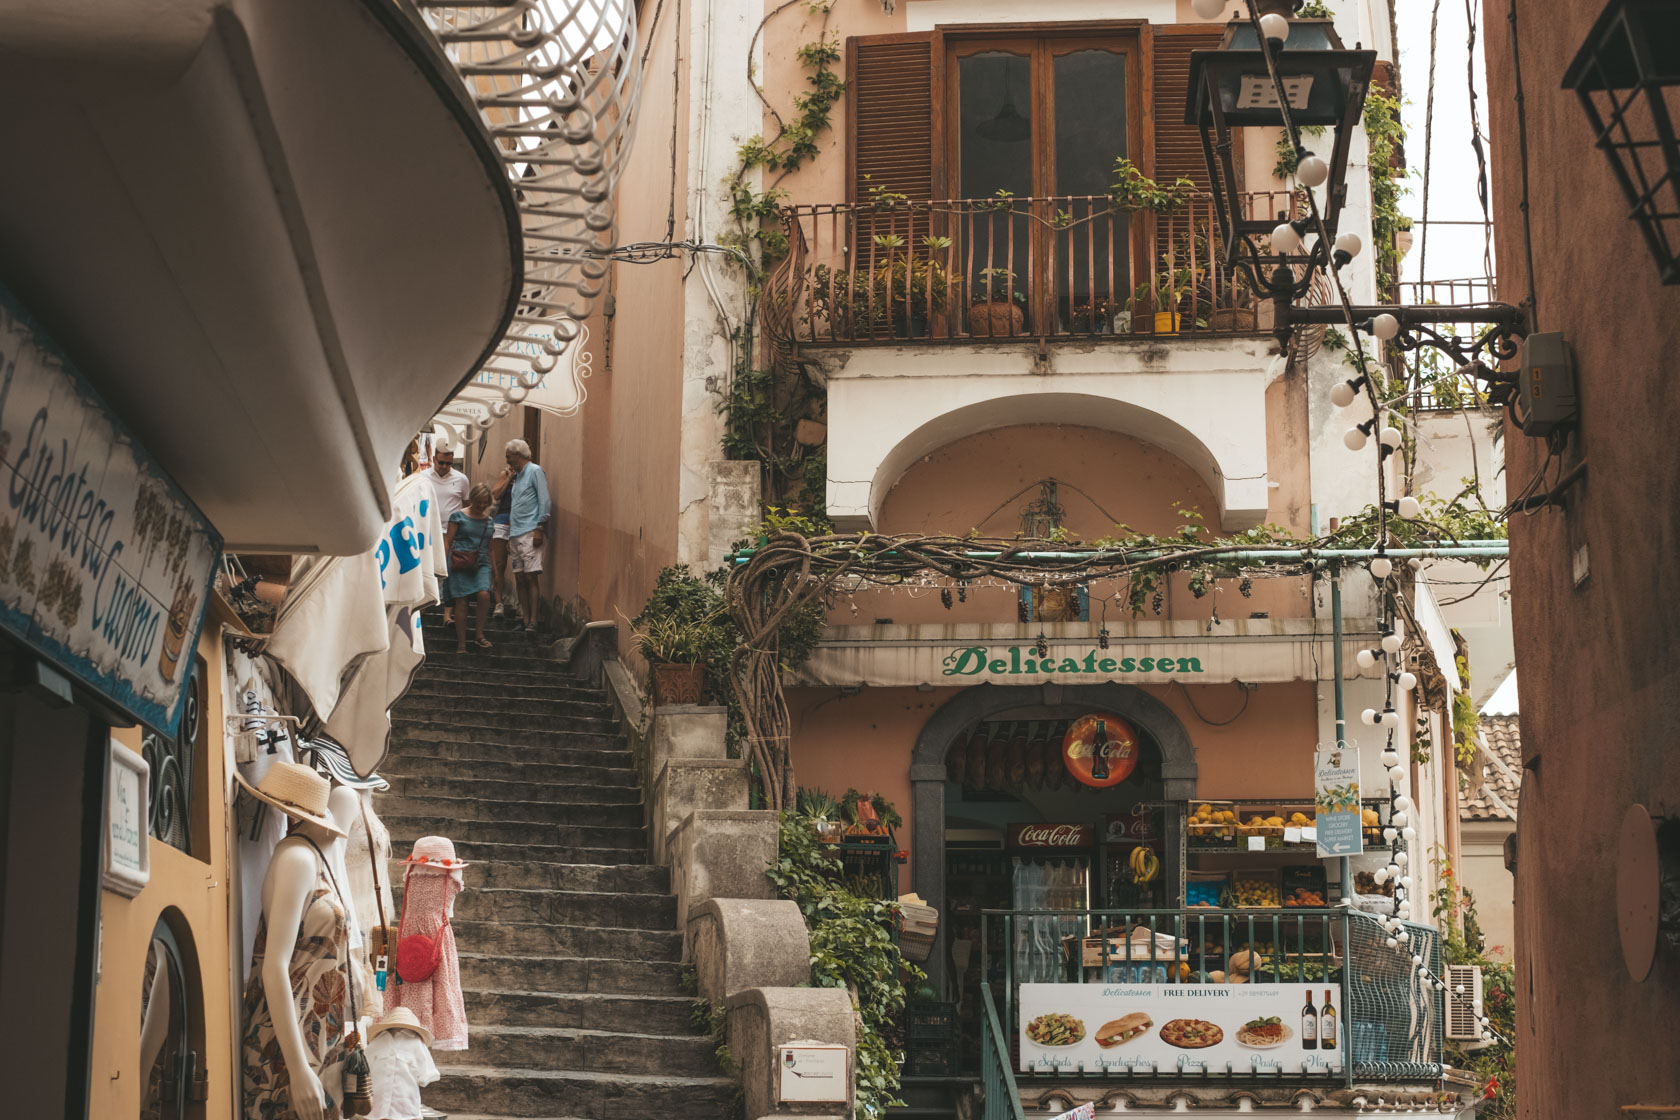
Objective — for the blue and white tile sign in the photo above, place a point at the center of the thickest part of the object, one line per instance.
(105, 566)
(1336, 800)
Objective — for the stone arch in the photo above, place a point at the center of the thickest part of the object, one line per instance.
(959, 714)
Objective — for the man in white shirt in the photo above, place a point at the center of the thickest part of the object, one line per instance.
(450, 487)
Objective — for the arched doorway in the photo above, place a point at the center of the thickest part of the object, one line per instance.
(956, 719)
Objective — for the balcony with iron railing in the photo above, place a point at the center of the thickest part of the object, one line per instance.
(992, 269)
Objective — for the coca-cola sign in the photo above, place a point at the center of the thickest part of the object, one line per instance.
(1050, 835)
(1139, 827)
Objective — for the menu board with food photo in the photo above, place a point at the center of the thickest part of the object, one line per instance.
(1180, 1028)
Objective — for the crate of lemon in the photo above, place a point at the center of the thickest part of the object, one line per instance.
(1216, 824)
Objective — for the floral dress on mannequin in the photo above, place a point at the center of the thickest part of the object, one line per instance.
(430, 884)
(320, 1003)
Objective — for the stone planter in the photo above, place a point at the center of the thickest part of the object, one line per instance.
(678, 684)
(1231, 319)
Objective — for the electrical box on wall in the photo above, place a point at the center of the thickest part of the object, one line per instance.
(1546, 384)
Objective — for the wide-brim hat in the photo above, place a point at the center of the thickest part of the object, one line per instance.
(336, 761)
(436, 853)
(400, 1018)
(297, 791)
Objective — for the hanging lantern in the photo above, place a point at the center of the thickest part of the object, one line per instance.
(1621, 74)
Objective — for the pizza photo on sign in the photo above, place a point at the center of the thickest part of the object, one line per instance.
(1100, 749)
(1191, 1034)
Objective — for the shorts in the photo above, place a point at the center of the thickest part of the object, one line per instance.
(524, 557)
(500, 532)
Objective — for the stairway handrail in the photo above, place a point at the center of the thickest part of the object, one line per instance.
(996, 1076)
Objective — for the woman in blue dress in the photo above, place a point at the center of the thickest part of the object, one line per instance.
(467, 541)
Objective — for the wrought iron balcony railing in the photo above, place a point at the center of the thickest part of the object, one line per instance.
(998, 268)
(1392, 1018)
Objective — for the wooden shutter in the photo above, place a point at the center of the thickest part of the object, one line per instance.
(1178, 146)
(895, 108)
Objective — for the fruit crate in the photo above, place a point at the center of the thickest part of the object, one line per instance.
(1211, 824)
(1255, 890)
(1304, 885)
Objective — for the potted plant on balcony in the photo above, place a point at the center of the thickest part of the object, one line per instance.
(1133, 191)
(832, 303)
(1094, 316)
(1161, 296)
(910, 293)
(998, 309)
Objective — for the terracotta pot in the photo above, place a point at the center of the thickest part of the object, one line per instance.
(1231, 319)
(677, 684)
(996, 319)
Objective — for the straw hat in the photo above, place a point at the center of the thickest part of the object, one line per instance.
(297, 791)
(434, 853)
(399, 1018)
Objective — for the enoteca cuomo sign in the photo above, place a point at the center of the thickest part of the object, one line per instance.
(105, 566)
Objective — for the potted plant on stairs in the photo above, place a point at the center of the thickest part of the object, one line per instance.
(682, 631)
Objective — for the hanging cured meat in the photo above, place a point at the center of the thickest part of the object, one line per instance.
(1035, 758)
(1018, 748)
(974, 774)
(956, 760)
(997, 763)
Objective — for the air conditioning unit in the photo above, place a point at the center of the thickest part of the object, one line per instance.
(1463, 1026)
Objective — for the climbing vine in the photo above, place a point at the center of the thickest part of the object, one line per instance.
(1386, 134)
(852, 947)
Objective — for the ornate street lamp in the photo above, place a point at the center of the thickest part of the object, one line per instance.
(1623, 74)
(1233, 87)
(1271, 72)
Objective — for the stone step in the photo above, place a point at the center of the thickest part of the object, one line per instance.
(526, 833)
(622, 911)
(504, 938)
(433, 687)
(605, 1011)
(555, 748)
(541, 733)
(542, 672)
(533, 1093)
(487, 718)
(526, 656)
(568, 1048)
(471, 785)
(408, 765)
(571, 974)
(582, 814)
(488, 854)
(621, 878)
(485, 707)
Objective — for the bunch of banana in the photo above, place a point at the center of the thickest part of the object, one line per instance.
(1145, 864)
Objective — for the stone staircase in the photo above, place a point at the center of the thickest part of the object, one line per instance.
(568, 938)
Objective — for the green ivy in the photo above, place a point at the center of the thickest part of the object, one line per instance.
(852, 946)
(1462, 942)
(1385, 134)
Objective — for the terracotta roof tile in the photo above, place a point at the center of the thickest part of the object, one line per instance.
(1504, 740)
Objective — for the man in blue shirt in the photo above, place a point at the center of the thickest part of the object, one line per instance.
(527, 520)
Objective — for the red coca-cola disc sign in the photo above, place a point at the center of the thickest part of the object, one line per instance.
(1100, 749)
(1051, 835)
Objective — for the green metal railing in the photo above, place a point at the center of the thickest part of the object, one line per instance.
(1393, 1022)
(1003, 1098)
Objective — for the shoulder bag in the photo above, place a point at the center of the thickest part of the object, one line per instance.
(381, 935)
(418, 956)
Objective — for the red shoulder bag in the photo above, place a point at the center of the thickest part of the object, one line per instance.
(418, 956)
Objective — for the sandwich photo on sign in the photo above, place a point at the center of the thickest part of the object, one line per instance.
(1123, 1029)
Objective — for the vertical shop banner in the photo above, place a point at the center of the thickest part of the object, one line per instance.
(105, 566)
(1205, 1029)
(1336, 799)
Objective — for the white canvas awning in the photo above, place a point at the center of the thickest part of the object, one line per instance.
(1259, 651)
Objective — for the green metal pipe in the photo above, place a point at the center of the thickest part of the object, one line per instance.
(1341, 719)
(1466, 550)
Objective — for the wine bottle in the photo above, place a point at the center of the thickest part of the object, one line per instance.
(1326, 1024)
(1309, 1025)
